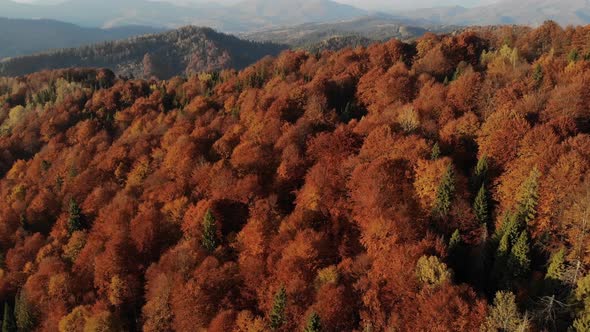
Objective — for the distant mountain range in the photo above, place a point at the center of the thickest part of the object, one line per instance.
(183, 51)
(527, 12)
(243, 16)
(20, 36)
(357, 31)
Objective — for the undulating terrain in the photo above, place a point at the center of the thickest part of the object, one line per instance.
(184, 51)
(437, 185)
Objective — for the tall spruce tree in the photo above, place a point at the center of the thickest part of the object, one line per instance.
(209, 239)
(555, 272)
(75, 222)
(277, 313)
(8, 323)
(23, 313)
(529, 197)
(445, 193)
(519, 262)
(480, 174)
(314, 323)
(480, 205)
(435, 153)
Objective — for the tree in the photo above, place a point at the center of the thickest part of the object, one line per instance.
(75, 222)
(277, 314)
(455, 241)
(504, 315)
(555, 271)
(445, 193)
(8, 323)
(209, 239)
(480, 173)
(519, 261)
(529, 197)
(435, 153)
(480, 205)
(430, 271)
(314, 323)
(23, 312)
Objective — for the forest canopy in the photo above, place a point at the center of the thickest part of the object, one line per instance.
(438, 185)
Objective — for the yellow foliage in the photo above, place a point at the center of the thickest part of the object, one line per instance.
(75, 320)
(75, 245)
(431, 271)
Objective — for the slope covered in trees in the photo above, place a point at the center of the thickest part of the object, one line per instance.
(441, 185)
(184, 51)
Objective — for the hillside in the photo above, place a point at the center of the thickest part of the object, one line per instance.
(441, 185)
(179, 52)
(23, 37)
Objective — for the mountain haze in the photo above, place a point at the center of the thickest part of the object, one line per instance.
(21, 36)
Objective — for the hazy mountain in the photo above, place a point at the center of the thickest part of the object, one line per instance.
(297, 11)
(530, 12)
(21, 36)
(243, 16)
(335, 35)
(184, 51)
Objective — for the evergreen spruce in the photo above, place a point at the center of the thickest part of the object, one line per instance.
(313, 323)
(480, 174)
(555, 271)
(8, 323)
(529, 197)
(445, 193)
(277, 314)
(455, 241)
(209, 240)
(75, 222)
(435, 154)
(480, 205)
(519, 262)
(25, 319)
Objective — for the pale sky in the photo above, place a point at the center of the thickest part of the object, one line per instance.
(365, 4)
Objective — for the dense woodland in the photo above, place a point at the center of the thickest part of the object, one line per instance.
(185, 51)
(440, 185)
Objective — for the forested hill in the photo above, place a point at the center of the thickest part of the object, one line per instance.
(183, 51)
(441, 185)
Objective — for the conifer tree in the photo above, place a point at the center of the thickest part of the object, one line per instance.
(480, 173)
(313, 323)
(445, 193)
(555, 271)
(277, 313)
(480, 205)
(435, 154)
(529, 197)
(209, 240)
(75, 222)
(8, 323)
(519, 261)
(455, 241)
(23, 313)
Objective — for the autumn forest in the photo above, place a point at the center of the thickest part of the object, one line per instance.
(435, 185)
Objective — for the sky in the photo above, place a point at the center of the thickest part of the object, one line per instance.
(389, 5)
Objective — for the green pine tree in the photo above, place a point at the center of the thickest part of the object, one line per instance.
(445, 193)
(277, 313)
(25, 320)
(75, 222)
(455, 241)
(314, 323)
(480, 205)
(519, 262)
(209, 240)
(480, 174)
(529, 197)
(555, 271)
(8, 323)
(435, 154)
